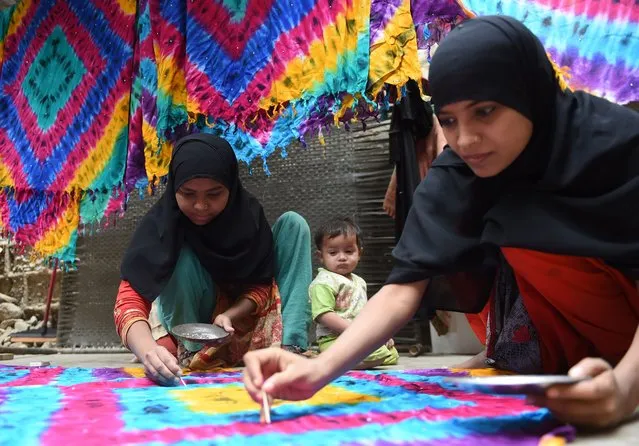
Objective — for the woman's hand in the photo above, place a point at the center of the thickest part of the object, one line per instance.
(282, 375)
(286, 375)
(602, 401)
(225, 322)
(161, 366)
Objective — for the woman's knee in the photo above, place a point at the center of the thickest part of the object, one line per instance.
(293, 221)
(187, 260)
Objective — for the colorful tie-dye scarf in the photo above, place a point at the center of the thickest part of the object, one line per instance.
(276, 71)
(64, 112)
(595, 42)
(94, 92)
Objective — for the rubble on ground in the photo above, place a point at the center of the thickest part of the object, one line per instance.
(14, 319)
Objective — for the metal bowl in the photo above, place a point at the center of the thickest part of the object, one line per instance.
(208, 334)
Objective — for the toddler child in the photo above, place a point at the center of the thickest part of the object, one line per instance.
(337, 295)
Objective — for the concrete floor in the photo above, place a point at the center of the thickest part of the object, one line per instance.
(627, 434)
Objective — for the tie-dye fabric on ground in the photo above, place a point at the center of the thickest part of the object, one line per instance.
(597, 41)
(55, 406)
(65, 78)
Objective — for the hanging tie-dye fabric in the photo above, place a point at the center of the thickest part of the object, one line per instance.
(252, 71)
(146, 155)
(594, 42)
(64, 111)
(89, 87)
(263, 73)
(434, 19)
(393, 50)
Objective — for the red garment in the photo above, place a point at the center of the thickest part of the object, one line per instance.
(130, 307)
(579, 306)
(478, 323)
(262, 328)
(169, 343)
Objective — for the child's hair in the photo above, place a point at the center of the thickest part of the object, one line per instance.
(336, 227)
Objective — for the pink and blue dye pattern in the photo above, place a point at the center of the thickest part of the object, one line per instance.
(52, 406)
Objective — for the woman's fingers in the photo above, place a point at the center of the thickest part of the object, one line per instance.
(601, 386)
(258, 365)
(589, 367)
(162, 367)
(253, 390)
(164, 372)
(225, 322)
(170, 362)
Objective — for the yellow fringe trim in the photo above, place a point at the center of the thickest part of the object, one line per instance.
(192, 116)
(208, 123)
(562, 74)
(347, 103)
(320, 137)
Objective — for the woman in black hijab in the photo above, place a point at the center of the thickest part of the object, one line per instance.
(205, 253)
(538, 184)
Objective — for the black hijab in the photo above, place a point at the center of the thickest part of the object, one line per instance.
(235, 247)
(572, 191)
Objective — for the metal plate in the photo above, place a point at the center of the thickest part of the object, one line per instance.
(204, 333)
(512, 384)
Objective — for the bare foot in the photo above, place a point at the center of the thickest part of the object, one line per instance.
(476, 362)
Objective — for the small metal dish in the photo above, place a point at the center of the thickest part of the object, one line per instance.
(207, 334)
